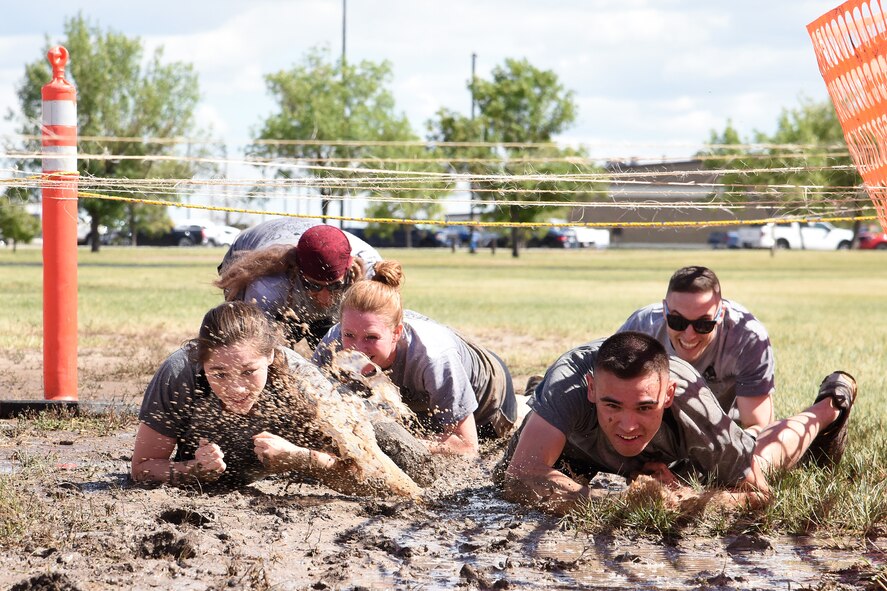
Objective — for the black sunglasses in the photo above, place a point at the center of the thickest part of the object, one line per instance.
(700, 325)
(318, 287)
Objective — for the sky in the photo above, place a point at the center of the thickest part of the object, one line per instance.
(651, 77)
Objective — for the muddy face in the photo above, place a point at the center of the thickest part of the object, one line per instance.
(237, 375)
(630, 411)
(372, 335)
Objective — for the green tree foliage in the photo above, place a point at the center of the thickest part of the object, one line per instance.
(802, 167)
(350, 106)
(16, 224)
(519, 104)
(120, 94)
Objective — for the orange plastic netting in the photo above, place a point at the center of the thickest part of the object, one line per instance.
(851, 48)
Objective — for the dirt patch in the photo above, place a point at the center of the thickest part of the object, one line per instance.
(92, 529)
(70, 519)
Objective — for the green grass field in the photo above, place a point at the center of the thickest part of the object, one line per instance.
(824, 311)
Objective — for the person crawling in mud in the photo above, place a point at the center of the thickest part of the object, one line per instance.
(461, 392)
(622, 406)
(231, 405)
(721, 339)
(296, 271)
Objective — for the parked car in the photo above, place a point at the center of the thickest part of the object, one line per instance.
(798, 235)
(220, 235)
(720, 239)
(873, 238)
(420, 237)
(591, 237)
(556, 237)
(182, 235)
(462, 236)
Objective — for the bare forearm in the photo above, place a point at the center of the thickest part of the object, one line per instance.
(165, 472)
(452, 445)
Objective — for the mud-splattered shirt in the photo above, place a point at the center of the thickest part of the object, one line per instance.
(696, 437)
(179, 403)
(738, 362)
(441, 375)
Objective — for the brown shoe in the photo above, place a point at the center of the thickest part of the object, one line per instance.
(827, 449)
(532, 382)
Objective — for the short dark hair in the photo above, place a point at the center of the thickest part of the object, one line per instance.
(694, 280)
(629, 355)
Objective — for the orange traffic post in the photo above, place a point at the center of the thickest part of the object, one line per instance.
(59, 189)
(850, 42)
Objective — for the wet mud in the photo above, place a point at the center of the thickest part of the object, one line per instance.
(95, 530)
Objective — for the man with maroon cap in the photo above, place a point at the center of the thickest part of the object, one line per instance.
(300, 286)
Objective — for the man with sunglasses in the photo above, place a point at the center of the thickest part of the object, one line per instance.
(623, 406)
(299, 286)
(722, 340)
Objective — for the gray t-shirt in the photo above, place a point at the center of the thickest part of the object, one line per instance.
(738, 362)
(696, 437)
(180, 404)
(276, 293)
(439, 373)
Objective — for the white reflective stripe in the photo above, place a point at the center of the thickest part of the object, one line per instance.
(59, 113)
(60, 150)
(66, 163)
(60, 165)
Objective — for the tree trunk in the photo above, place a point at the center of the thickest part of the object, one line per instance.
(515, 216)
(407, 235)
(94, 238)
(324, 204)
(131, 222)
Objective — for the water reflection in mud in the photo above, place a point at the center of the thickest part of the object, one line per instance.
(503, 549)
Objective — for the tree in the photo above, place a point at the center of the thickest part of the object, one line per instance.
(332, 107)
(519, 105)
(16, 224)
(804, 165)
(119, 95)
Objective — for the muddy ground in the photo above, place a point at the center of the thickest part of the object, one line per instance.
(87, 527)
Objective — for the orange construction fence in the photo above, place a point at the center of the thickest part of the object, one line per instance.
(851, 47)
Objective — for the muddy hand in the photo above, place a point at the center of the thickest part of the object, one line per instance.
(209, 461)
(661, 473)
(276, 452)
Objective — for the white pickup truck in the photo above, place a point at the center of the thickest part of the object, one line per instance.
(797, 235)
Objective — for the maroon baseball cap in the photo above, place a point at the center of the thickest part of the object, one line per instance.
(324, 253)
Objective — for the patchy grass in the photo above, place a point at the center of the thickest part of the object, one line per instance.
(68, 420)
(824, 311)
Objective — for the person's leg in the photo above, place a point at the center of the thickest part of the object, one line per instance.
(782, 444)
(503, 418)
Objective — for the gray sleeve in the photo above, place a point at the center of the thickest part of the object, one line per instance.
(716, 446)
(640, 321)
(362, 250)
(270, 293)
(562, 397)
(756, 363)
(450, 395)
(331, 342)
(168, 397)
